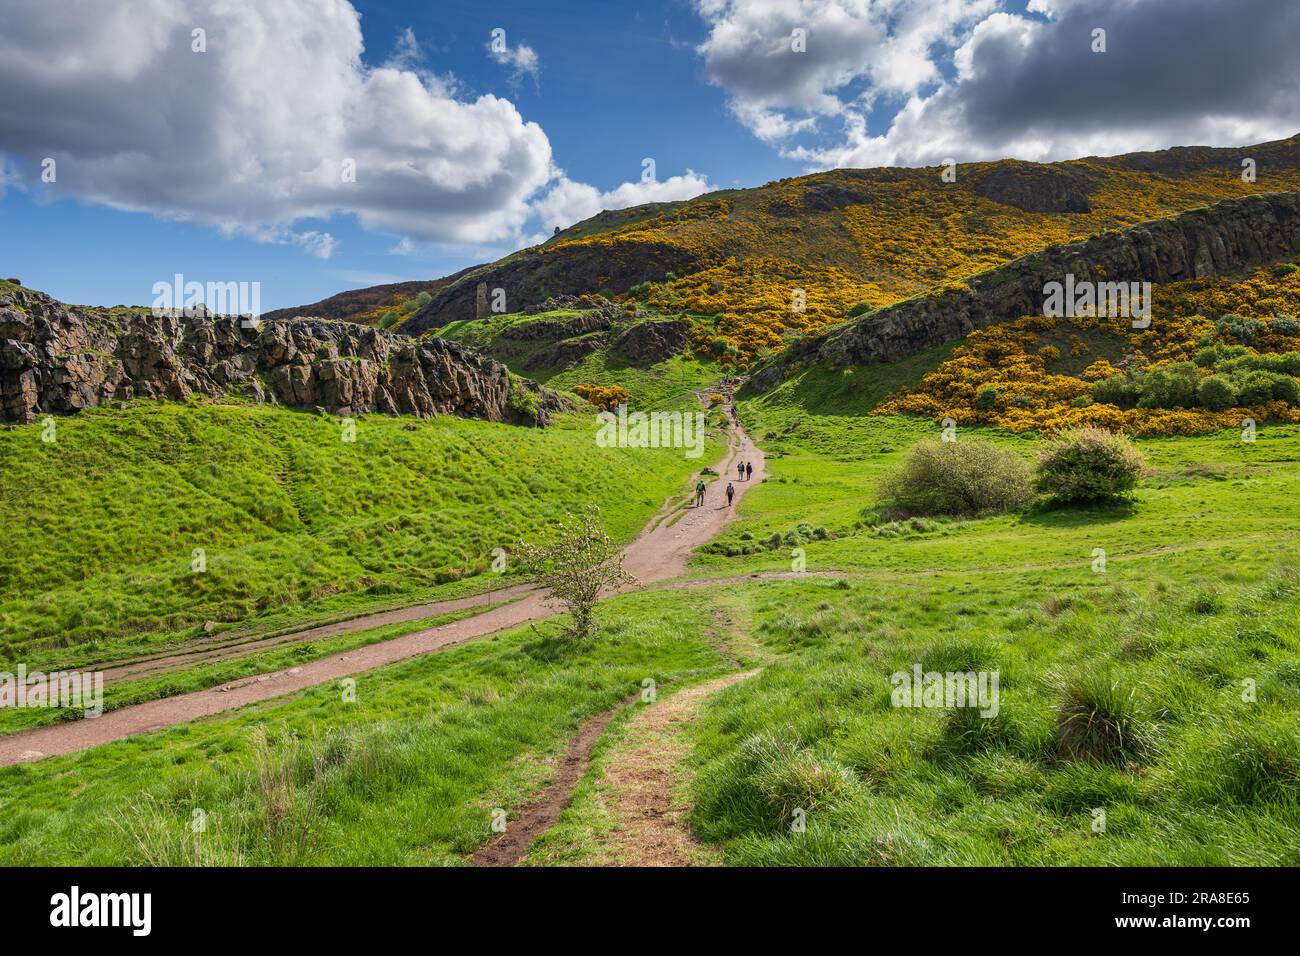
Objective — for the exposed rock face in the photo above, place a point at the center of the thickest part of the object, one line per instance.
(565, 353)
(56, 358)
(1233, 234)
(533, 276)
(1035, 187)
(539, 330)
(647, 343)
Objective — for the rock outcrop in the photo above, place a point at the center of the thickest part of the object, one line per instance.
(59, 358)
(1230, 235)
(532, 276)
(1035, 187)
(656, 340)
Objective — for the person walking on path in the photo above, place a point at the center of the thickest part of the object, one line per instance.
(740, 469)
(731, 493)
(699, 493)
(749, 470)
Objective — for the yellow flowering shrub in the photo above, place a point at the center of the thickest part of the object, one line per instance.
(1011, 359)
(758, 300)
(864, 236)
(608, 397)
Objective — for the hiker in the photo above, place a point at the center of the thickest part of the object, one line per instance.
(749, 470)
(699, 493)
(731, 493)
(740, 468)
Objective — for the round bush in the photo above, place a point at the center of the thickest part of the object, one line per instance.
(1216, 393)
(1118, 390)
(957, 478)
(1090, 464)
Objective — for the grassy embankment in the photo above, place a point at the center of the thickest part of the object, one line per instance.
(295, 525)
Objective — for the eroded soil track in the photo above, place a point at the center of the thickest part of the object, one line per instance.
(658, 554)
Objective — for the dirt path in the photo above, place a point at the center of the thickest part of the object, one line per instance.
(540, 815)
(663, 549)
(645, 779)
(215, 650)
(660, 552)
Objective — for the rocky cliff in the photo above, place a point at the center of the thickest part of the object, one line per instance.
(1230, 235)
(59, 358)
(532, 276)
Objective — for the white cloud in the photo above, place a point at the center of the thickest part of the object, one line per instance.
(853, 52)
(520, 58)
(252, 136)
(1175, 72)
(568, 202)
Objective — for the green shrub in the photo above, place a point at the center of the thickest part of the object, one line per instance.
(986, 399)
(1089, 464)
(523, 402)
(1172, 386)
(957, 478)
(1255, 388)
(1216, 393)
(1218, 354)
(1285, 389)
(1245, 330)
(1285, 325)
(1118, 390)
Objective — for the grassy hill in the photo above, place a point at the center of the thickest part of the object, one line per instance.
(851, 237)
(1200, 594)
(291, 519)
(1179, 653)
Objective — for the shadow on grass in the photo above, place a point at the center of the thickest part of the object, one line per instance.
(1046, 515)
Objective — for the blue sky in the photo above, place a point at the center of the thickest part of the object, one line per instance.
(617, 82)
(465, 154)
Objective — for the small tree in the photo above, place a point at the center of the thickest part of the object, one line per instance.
(1087, 465)
(577, 567)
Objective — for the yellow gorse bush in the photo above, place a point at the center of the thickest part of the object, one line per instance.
(1037, 389)
(910, 233)
(608, 397)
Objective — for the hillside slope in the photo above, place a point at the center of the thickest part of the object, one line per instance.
(1230, 235)
(849, 236)
(287, 516)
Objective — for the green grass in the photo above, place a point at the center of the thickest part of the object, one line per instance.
(200, 675)
(294, 522)
(408, 774)
(665, 385)
(1203, 778)
(1210, 492)
(1120, 690)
